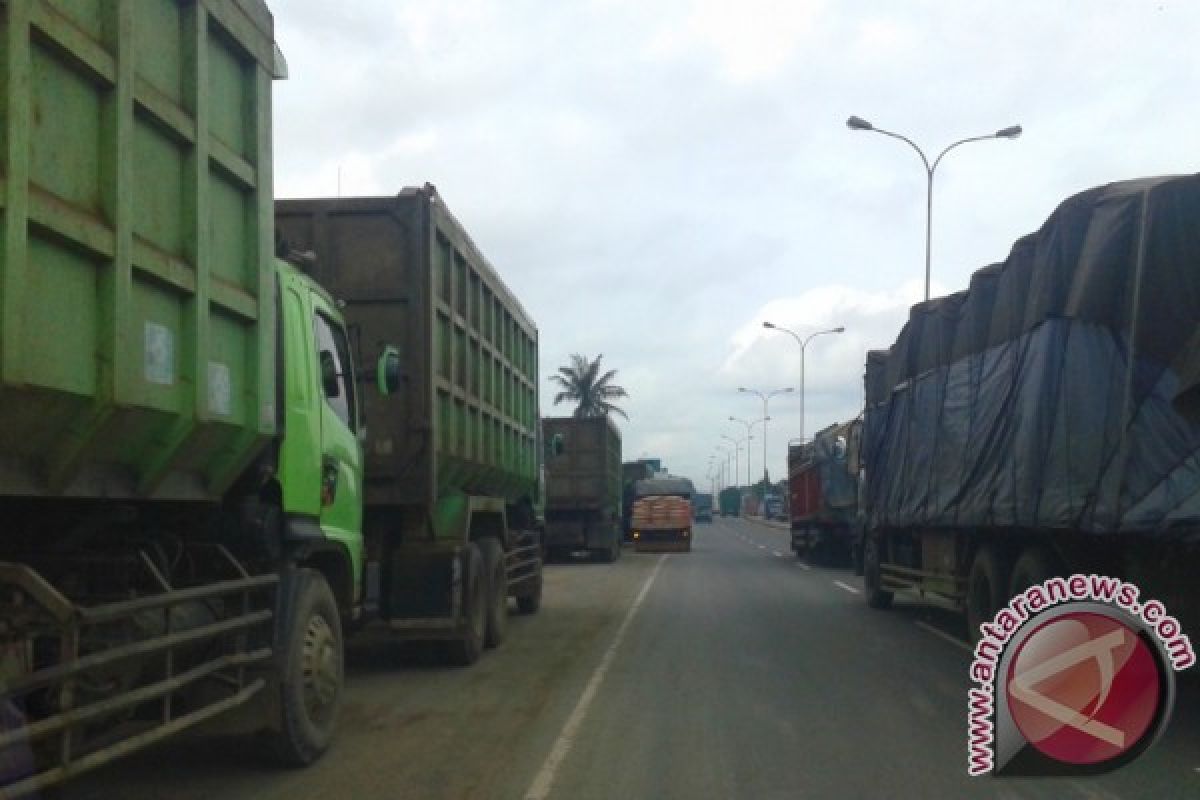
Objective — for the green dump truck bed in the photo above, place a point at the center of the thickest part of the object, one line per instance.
(587, 475)
(136, 311)
(466, 416)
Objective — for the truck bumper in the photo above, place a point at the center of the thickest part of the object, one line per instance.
(662, 541)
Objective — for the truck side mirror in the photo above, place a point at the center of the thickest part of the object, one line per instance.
(329, 375)
(387, 371)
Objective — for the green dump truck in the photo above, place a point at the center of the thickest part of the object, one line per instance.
(180, 466)
(454, 457)
(194, 510)
(583, 488)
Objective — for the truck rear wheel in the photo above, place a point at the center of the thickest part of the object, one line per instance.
(1035, 565)
(310, 686)
(986, 585)
(497, 592)
(465, 650)
(877, 596)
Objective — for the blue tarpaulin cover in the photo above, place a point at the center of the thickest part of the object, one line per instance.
(1059, 389)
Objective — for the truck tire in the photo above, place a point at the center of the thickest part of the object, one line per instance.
(610, 554)
(312, 673)
(986, 590)
(465, 650)
(1035, 565)
(530, 603)
(497, 592)
(876, 595)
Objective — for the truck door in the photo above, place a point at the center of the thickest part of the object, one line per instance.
(341, 453)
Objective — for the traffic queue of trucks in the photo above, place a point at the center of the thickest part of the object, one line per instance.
(1041, 423)
(217, 463)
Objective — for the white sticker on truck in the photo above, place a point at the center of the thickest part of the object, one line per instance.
(220, 389)
(159, 356)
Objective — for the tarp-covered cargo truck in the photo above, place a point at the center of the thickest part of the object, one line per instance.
(662, 515)
(454, 457)
(583, 487)
(1031, 425)
(702, 507)
(180, 468)
(823, 489)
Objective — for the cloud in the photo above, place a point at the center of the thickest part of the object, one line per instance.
(752, 40)
(655, 179)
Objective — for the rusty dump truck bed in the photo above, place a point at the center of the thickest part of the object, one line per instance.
(466, 416)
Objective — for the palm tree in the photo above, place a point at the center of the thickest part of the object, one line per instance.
(582, 383)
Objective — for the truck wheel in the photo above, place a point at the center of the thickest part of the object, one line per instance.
(608, 555)
(497, 592)
(986, 584)
(465, 650)
(531, 602)
(877, 596)
(310, 686)
(1035, 565)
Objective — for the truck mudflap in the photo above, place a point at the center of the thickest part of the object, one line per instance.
(83, 685)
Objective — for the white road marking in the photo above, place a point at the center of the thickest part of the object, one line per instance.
(777, 554)
(845, 586)
(544, 780)
(803, 566)
(762, 547)
(925, 626)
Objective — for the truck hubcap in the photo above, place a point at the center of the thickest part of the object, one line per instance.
(320, 668)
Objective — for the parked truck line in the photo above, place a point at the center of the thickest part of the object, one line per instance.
(215, 464)
(1042, 422)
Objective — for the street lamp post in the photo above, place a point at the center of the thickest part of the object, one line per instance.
(803, 344)
(749, 424)
(766, 398)
(860, 124)
(737, 449)
(727, 465)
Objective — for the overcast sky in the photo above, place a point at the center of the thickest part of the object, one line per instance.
(654, 179)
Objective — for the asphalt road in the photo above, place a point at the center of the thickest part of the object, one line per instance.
(730, 672)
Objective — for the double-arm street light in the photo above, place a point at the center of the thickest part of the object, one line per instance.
(803, 342)
(749, 423)
(860, 124)
(766, 398)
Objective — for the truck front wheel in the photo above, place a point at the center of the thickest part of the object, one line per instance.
(497, 610)
(310, 686)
